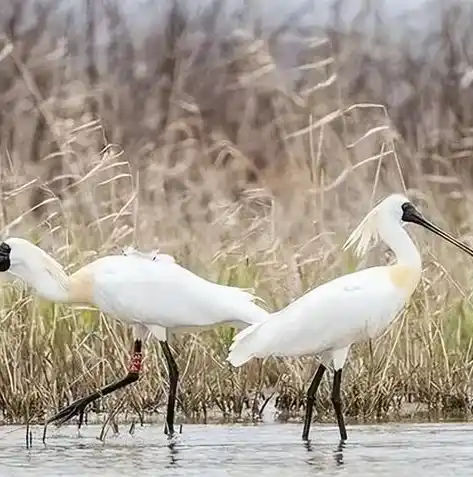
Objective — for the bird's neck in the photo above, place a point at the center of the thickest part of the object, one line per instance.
(400, 243)
(47, 278)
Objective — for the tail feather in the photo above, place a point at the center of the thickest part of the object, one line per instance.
(250, 313)
(242, 306)
(242, 334)
(247, 344)
(241, 293)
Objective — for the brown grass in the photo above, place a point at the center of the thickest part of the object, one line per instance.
(202, 146)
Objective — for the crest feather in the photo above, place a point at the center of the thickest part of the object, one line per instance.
(365, 234)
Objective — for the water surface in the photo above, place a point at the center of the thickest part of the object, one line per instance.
(273, 450)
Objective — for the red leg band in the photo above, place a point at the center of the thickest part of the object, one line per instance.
(135, 363)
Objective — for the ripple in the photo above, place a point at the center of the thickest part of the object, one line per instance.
(274, 450)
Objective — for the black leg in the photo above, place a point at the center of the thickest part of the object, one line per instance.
(78, 406)
(314, 385)
(173, 379)
(337, 404)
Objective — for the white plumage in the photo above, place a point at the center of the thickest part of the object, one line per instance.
(332, 316)
(327, 320)
(161, 294)
(150, 291)
(138, 288)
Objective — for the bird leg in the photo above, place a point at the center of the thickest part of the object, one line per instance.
(78, 406)
(314, 385)
(337, 403)
(173, 380)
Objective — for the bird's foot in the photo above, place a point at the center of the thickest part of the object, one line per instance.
(77, 408)
(172, 434)
(173, 438)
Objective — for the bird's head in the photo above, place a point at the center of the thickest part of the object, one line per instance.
(366, 233)
(5, 261)
(394, 209)
(21, 258)
(17, 256)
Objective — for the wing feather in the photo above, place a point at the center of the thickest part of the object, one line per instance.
(332, 316)
(163, 293)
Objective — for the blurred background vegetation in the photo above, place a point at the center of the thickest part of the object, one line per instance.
(247, 141)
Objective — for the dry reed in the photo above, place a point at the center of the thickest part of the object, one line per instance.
(212, 155)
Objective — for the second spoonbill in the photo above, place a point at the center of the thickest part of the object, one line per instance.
(327, 320)
(153, 294)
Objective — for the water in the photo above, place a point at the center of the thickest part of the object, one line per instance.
(273, 450)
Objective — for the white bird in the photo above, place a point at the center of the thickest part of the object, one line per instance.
(327, 320)
(150, 291)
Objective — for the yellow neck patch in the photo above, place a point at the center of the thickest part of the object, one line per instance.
(81, 287)
(404, 277)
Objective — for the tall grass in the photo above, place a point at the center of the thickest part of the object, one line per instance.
(203, 146)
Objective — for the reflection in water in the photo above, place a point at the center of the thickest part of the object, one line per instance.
(316, 460)
(173, 453)
(268, 450)
(338, 454)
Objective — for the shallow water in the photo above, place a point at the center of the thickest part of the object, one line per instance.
(273, 450)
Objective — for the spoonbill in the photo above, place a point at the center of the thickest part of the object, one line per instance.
(149, 291)
(327, 320)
